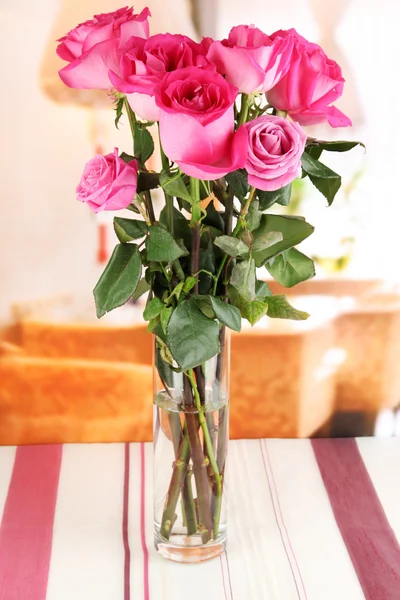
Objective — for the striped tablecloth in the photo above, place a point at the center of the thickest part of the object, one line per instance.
(308, 520)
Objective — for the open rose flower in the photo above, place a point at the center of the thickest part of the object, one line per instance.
(92, 47)
(250, 59)
(197, 123)
(144, 63)
(108, 182)
(275, 146)
(311, 84)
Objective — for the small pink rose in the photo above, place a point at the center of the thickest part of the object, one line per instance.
(250, 59)
(275, 146)
(311, 84)
(108, 182)
(197, 123)
(143, 64)
(92, 48)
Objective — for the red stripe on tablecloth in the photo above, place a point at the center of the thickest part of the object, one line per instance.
(125, 520)
(369, 539)
(26, 531)
(287, 546)
(143, 522)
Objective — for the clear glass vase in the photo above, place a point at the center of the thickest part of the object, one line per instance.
(191, 431)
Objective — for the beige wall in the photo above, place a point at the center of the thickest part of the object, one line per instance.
(45, 236)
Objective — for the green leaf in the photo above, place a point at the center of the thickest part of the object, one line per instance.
(333, 146)
(126, 157)
(231, 245)
(119, 279)
(189, 284)
(191, 336)
(262, 290)
(266, 240)
(254, 215)
(147, 181)
(153, 309)
(161, 246)
(291, 269)
(143, 143)
(164, 370)
(174, 185)
(181, 225)
(314, 151)
(207, 263)
(325, 180)
(176, 291)
(141, 289)
(165, 316)
(252, 311)
(279, 308)
(238, 182)
(243, 278)
(129, 229)
(226, 313)
(203, 303)
(268, 199)
(119, 105)
(293, 230)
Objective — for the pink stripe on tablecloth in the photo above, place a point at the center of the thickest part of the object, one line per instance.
(143, 522)
(223, 577)
(369, 539)
(26, 531)
(287, 546)
(125, 520)
(226, 574)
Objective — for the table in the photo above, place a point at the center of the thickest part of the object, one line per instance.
(309, 520)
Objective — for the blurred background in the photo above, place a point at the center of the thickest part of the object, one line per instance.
(65, 376)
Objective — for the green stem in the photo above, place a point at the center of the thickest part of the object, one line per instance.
(131, 117)
(195, 194)
(199, 466)
(244, 110)
(169, 200)
(237, 229)
(210, 452)
(188, 507)
(175, 487)
(147, 196)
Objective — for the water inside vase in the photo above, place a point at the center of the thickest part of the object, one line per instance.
(189, 476)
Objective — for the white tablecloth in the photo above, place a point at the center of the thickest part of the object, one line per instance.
(307, 521)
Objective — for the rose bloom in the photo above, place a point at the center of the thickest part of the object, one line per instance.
(92, 47)
(250, 59)
(108, 182)
(197, 123)
(275, 146)
(311, 84)
(144, 63)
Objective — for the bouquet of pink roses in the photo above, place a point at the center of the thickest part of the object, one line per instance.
(230, 115)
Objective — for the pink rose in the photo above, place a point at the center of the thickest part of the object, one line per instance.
(92, 47)
(275, 146)
(144, 63)
(197, 123)
(312, 82)
(250, 59)
(108, 182)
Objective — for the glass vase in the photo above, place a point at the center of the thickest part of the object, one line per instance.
(191, 431)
